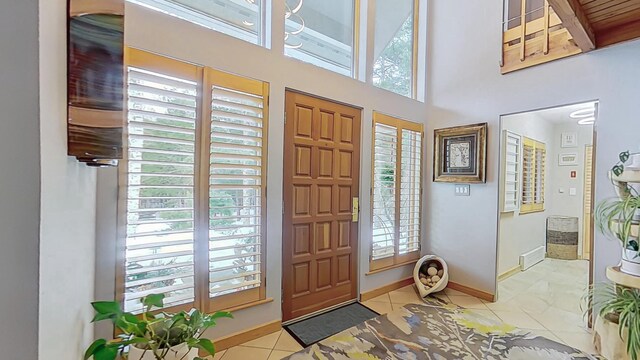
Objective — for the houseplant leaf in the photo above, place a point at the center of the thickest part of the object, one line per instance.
(100, 343)
(153, 300)
(206, 345)
(106, 307)
(106, 353)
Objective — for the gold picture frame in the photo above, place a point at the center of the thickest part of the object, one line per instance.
(460, 154)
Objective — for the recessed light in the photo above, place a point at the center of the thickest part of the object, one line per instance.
(583, 113)
(587, 121)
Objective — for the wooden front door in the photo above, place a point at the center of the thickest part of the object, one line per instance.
(321, 180)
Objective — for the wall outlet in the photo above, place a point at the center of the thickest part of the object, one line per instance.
(463, 190)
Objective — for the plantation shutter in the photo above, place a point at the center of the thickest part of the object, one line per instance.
(160, 179)
(396, 191)
(541, 156)
(237, 174)
(534, 156)
(511, 171)
(528, 171)
(410, 191)
(384, 191)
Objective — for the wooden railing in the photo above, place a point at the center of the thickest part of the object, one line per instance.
(535, 41)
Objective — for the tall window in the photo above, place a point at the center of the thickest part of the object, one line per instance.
(534, 155)
(322, 33)
(193, 192)
(243, 19)
(397, 191)
(395, 47)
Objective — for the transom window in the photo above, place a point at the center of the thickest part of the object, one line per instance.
(396, 191)
(321, 32)
(243, 19)
(395, 47)
(193, 192)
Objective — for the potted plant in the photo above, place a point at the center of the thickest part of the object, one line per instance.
(617, 327)
(149, 336)
(619, 217)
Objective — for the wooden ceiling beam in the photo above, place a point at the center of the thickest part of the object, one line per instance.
(625, 32)
(575, 20)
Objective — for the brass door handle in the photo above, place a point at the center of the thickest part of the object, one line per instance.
(355, 209)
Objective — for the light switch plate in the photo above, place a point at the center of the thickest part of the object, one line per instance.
(573, 191)
(463, 190)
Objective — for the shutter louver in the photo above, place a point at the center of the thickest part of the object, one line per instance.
(236, 189)
(160, 189)
(384, 191)
(410, 194)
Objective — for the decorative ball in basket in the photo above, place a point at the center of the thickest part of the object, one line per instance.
(431, 274)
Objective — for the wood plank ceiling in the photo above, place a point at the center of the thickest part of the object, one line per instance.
(611, 21)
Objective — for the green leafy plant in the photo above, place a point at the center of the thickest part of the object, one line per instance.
(615, 216)
(621, 306)
(154, 333)
(618, 169)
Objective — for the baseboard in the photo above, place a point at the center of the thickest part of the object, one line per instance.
(385, 289)
(509, 273)
(471, 291)
(242, 337)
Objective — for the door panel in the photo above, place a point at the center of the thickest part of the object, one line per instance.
(321, 178)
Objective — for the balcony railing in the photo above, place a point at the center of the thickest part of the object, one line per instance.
(535, 35)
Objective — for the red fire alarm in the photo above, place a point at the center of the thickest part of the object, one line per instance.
(574, 174)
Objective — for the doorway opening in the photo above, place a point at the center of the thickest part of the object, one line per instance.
(545, 230)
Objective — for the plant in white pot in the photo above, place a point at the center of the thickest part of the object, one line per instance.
(617, 326)
(149, 336)
(620, 217)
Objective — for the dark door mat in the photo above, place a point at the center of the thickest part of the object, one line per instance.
(309, 331)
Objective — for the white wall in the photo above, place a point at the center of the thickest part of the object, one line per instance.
(68, 207)
(565, 204)
(465, 86)
(520, 233)
(19, 179)
(156, 32)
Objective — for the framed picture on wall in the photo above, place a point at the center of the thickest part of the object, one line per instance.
(570, 159)
(569, 140)
(460, 154)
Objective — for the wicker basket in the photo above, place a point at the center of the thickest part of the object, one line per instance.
(562, 237)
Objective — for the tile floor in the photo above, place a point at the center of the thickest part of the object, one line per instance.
(544, 299)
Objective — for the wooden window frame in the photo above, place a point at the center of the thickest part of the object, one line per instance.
(397, 259)
(205, 79)
(535, 176)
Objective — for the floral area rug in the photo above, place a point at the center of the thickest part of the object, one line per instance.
(437, 331)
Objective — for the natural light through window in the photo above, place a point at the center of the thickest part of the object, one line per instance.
(395, 46)
(194, 205)
(242, 19)
(321, 32)
(397, 191)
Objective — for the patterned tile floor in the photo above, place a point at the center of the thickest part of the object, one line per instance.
(544, 299)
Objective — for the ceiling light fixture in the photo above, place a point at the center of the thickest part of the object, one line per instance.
(587, 121)
(583, 113)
